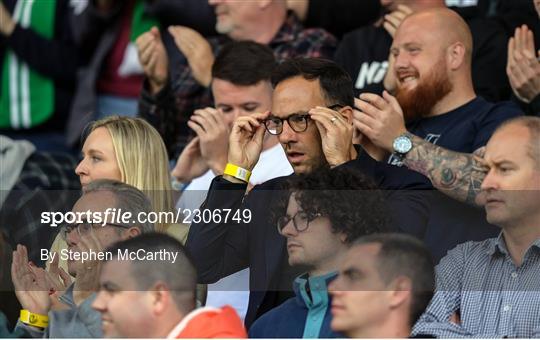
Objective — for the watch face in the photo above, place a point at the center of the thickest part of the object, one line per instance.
(402, 144)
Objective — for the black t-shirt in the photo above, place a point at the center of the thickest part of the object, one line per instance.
(363, 53)
(464, 129)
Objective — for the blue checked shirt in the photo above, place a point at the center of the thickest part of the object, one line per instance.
(492, 296)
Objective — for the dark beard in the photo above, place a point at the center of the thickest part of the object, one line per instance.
(418, 102)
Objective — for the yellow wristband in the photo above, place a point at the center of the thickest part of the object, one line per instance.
(36, 320)
(237, 172)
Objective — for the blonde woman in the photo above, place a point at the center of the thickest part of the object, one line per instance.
(132, 151)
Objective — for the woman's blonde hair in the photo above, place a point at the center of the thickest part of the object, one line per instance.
(142, 159)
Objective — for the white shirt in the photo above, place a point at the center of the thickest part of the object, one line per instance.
(234, 289)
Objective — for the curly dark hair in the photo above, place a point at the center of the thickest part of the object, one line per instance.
(348, 198)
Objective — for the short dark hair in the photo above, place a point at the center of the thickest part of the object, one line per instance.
(180, 277)
(336, 84)
(244, 63)
(405, 255)
(348, 198)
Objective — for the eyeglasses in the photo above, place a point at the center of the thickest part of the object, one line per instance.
(300, 221)
(85, 227)
(297, 121)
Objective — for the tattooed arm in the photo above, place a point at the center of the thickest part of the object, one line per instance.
(458, 175)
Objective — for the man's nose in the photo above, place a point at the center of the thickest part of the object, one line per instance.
(489, 182)
(287, 134)
(289, 230)
(99, 302)
(401, 62)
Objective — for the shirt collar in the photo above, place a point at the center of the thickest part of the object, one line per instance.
(498, 245)
(67, 297)
(318, 287)
(288, 31)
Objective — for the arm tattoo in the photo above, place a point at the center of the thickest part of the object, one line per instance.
(458, 175)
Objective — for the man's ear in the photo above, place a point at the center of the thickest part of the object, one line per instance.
(343, 238)
(133, 232)
(401, 291)
(347, 113)
(160, 298)
(456, 55)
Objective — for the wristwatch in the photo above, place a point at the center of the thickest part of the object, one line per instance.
(402, 145)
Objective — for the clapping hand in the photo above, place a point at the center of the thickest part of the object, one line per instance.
(523, 66)
(153, 58)
(197, 51)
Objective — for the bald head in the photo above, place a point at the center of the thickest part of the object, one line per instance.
(445, 26)
(532, 124)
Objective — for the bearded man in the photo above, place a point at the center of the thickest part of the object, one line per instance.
(436, 124)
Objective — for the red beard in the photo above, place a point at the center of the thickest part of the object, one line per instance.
(418, 102)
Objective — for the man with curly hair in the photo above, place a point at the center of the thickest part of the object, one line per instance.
(312, 119)
(327, 210)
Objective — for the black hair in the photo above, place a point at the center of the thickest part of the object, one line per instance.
(348, 198)
(407, 256)
(244, 63)
(336, 84)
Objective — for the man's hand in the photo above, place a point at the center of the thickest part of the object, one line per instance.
(55, 281)
(394, 19)
(153, 58)
(373, 151)
(391, 24)
(246, 140)
(87, 278)
(197, 51)
(213, 132)
(523, 66)
(380, 119)
(56, 276)
(7, 25)
(190, 163)
(31, 292)
(336, 135)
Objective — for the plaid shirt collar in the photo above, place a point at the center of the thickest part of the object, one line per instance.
(497, 246)
(288, 31)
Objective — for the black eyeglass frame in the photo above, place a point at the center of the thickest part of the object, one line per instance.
(284, 220)
(304, 116)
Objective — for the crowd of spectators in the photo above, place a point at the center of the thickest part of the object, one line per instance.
(319, 169)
